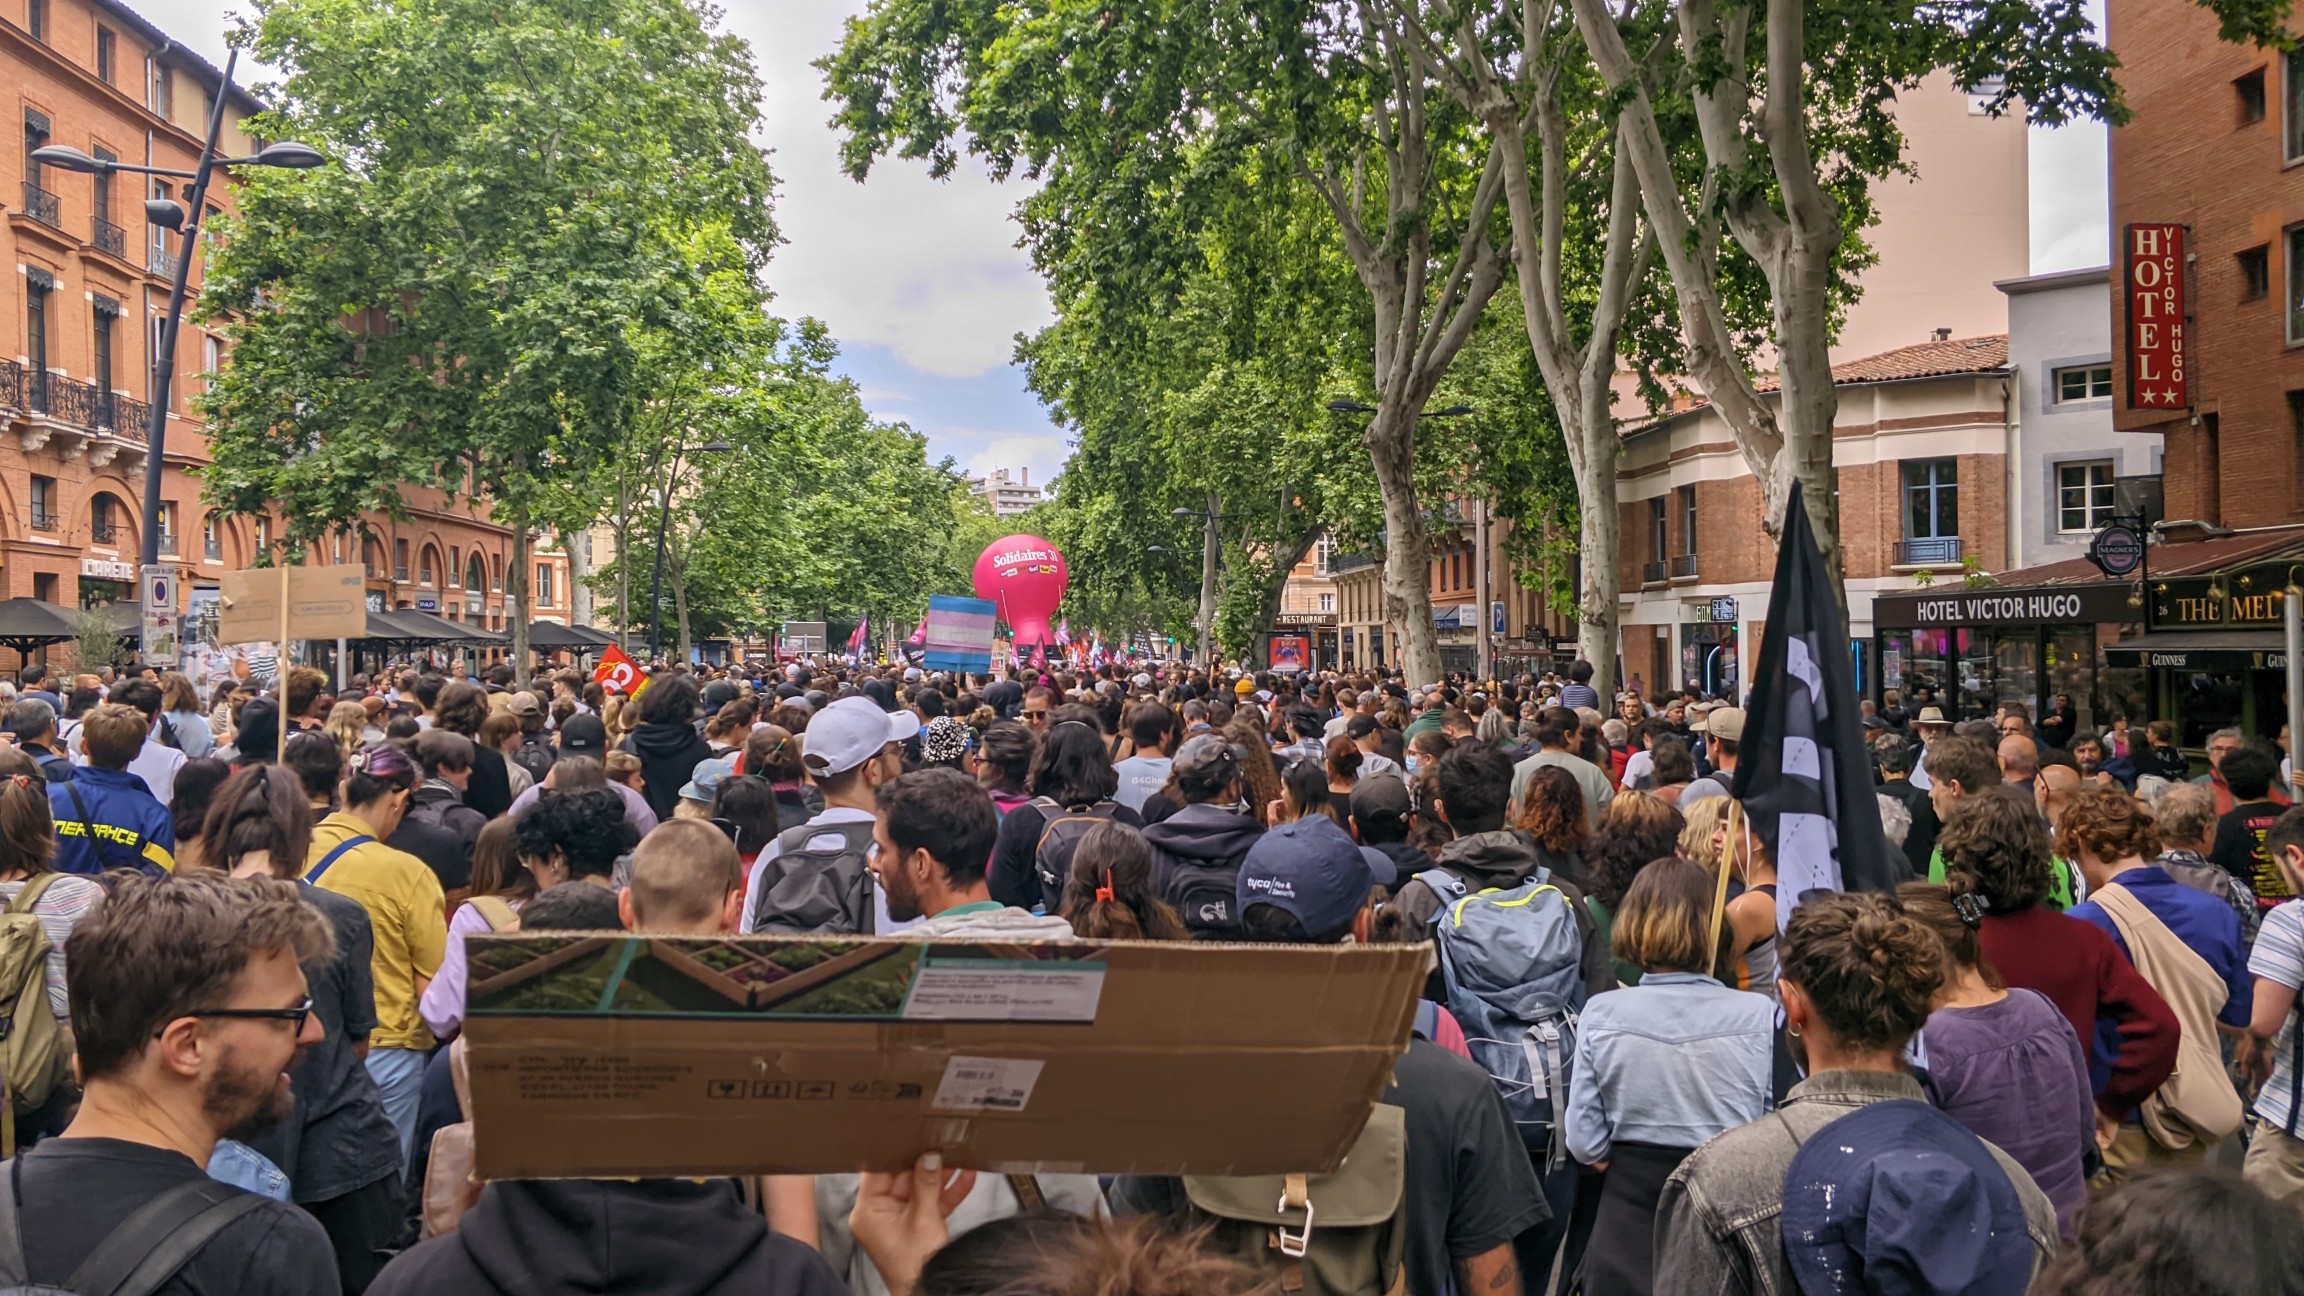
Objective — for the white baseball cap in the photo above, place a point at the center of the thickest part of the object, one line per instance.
(851, 731)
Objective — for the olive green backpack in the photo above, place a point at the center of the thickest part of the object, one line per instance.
(35, 1052)
(1340, 1234)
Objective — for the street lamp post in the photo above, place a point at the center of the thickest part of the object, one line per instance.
(186, 220)
(663, 525)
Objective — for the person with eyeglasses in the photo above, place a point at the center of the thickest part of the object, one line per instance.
(338, 1151)
(190, 1014)
(1039, 704)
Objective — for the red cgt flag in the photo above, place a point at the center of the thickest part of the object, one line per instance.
(619, 672)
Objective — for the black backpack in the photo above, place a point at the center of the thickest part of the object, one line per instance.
(816, 892)
(535, 755)
(1059, 838)
(142, 1254)
(1208, 897)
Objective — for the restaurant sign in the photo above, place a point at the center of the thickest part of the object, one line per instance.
(2152, 277)
(2235, 599)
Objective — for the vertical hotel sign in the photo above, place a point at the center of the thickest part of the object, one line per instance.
(2159, 368)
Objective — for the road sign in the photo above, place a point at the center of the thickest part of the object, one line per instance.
(161, 637)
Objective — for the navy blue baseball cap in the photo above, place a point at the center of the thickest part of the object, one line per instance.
(1311, 868)
(1899, 1199)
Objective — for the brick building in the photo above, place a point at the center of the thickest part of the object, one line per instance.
(80, 320)
(2215, 147)
(1455, 578)
(1920, 446)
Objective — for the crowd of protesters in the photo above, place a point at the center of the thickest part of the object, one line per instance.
(234, 949)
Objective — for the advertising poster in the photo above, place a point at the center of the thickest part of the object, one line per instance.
(1290, 654)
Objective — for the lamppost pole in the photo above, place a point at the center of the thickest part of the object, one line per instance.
(186, 220)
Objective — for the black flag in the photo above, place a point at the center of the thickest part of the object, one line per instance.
(1804, 778)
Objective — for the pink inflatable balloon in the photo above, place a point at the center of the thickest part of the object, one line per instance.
(1026, 577)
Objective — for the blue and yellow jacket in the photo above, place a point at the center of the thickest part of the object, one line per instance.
(108, 819)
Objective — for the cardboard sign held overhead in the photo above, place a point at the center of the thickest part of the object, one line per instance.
(606, 1055)
(311, 602)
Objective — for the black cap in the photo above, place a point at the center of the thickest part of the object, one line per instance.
(583, 735)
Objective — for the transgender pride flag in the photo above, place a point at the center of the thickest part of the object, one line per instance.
(959, 634)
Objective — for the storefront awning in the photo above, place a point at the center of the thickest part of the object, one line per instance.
(2200, 650)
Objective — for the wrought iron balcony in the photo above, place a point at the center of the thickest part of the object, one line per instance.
(1652, 573)
(43, 206)
(110, 239)
(105, 532)
(168, 542)
(12, 394)
(43, 520)
(1683, 565)
(1931, 549)
(80, 404)
(160, 262)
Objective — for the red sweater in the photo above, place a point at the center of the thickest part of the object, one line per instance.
(2086, 976)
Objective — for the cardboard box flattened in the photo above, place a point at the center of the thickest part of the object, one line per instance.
(664, 1056)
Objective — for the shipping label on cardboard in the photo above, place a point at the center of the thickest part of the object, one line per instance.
(975, 1084)
(986, 990)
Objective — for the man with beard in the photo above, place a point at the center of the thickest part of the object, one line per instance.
(189, 1010)
(931, 842)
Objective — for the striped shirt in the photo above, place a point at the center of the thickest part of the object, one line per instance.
(2279, 957)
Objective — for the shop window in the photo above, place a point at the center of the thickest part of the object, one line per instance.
(2084, 382)
(2084, 495)
(2292, 105)
(2255, 265)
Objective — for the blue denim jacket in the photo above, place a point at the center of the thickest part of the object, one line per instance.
(1671, 1061)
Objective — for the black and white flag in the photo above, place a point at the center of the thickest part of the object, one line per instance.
(1804, 778)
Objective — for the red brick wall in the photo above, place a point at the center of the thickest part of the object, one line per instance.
(2187, 157)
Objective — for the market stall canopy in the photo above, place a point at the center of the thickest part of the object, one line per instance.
(388, 627)
(29, 623)
(551, 636)
(443, 630)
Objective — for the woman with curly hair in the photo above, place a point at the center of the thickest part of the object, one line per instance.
(2180, 1231)
(1259, 774)
(1552, 815)
(1997, 839)
(1859, 978)
(1636, 828)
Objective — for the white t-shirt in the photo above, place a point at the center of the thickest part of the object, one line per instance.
(1642, 764)
(1140, 777)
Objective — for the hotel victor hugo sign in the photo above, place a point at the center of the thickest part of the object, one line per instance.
(2080, 604)
(2153, 278)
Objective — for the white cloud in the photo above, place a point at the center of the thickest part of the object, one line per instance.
(926, 268)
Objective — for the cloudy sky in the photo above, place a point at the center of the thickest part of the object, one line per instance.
(922, 282)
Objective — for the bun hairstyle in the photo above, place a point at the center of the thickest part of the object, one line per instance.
(1870, 970)
(1344, 757)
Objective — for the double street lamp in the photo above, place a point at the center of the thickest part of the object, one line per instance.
(664, 525)
(185, 219)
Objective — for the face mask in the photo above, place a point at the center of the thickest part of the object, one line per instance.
(1414, 762)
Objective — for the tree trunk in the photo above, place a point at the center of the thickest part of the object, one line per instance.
(516, 595)
(623, 558)
(677, 572)
(1208, 544)
(577, 544)
(1391, 440)
(1599, 550)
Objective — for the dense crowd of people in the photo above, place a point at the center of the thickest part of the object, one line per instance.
(233, 959)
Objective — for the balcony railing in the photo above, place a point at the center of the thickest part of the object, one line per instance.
(12, 395)
(73, 401)
(167, 543)
(1932, 549)
(1683, 565)
(105, 532)
(1652, 572)
(43, 206)
(160, 262)
(43, 520)
(110, 238)
(68, 400)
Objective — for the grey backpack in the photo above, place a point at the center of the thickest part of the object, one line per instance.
(821, 892)
(1512, 962)
(142, 1253)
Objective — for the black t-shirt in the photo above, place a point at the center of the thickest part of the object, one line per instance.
(2239, 847)
(339, 1140)
(447, 855)
(72, 1192)
(1470, 1186)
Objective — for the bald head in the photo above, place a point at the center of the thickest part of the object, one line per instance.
(2054, 790)
(2019, 758)
(686, 880)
